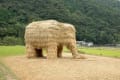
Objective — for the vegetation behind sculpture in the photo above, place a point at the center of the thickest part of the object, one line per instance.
(96, 21)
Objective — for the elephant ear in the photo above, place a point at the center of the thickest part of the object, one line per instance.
(61, 26)
(67, 27)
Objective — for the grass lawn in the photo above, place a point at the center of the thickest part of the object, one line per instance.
(102, 51)
(11, 50)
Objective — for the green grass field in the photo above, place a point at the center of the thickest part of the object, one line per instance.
(11, 50)
(102, 51)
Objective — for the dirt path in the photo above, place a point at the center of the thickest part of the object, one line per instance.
(5, 73)
(92, 68)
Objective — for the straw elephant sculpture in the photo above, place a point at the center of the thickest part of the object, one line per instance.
(52, 36)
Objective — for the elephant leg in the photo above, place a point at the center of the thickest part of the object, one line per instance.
(59, 51)
(52, 52)
(75, 54)
(73, 49)
(31, 53)
(39, 53)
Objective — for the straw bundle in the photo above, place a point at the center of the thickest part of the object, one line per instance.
(51, 35)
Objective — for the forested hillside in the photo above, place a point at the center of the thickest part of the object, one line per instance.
(95, 20)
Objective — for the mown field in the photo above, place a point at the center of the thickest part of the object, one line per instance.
(11, 50)
(102, 51)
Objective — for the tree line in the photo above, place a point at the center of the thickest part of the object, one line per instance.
(96, 21)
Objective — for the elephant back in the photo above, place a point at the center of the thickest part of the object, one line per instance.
(44, 32)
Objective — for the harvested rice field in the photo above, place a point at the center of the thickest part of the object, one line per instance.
(66, 68)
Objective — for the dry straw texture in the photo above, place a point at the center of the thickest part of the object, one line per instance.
(51, 35)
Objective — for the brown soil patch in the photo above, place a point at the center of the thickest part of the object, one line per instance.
(92, 68)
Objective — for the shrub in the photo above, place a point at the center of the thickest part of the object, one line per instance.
(12, 41)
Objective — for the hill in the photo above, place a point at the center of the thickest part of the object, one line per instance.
(95, 20)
